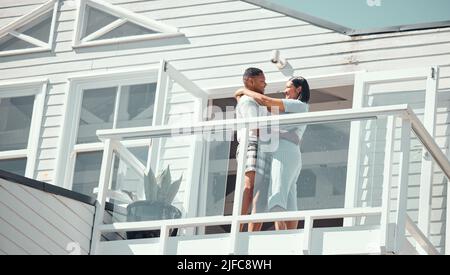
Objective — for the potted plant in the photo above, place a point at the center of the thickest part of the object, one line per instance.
(159, 193)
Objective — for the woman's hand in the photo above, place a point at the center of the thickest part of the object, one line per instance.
(239, 93)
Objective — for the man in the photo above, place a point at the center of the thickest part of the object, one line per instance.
(247, 107)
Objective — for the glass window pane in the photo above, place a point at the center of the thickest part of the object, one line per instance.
(40, 28)
(96, 19)
(136, 105)
(125, 180)
(16, 166)
(97, 112)
(87, 172)
(9, 43)
(217, 174)
(15, 121)
(127, 29)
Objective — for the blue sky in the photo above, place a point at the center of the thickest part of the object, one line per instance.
(367, 14)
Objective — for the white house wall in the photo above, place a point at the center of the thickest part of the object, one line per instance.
(36, 222)
(222, 38)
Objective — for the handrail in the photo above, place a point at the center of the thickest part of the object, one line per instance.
(289, 119)
(420, 238)
(427, 140)
(234, 124)
(261, 217)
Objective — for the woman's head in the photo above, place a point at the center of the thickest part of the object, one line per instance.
(297, 88)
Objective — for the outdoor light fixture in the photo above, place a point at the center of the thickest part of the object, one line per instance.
(275, 59)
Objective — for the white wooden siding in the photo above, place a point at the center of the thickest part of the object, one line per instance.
(223, 37)
(36, 222)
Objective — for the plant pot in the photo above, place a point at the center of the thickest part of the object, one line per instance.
(150, 211)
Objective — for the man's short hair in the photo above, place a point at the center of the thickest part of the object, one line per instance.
(252, 72)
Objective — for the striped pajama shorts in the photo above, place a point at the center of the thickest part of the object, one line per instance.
(256, 161)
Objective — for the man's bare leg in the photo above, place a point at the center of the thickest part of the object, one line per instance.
(247, 197)
(280, 225)
(252, 227)
(292, 224)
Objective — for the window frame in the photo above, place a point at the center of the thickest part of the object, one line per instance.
(69, 149)
(123, 16)
(37, 88)
(29, 18)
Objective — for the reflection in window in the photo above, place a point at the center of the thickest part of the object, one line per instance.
(96, 113)
(15, 166)
(15, 114)
(40, 28)
(87, 172)
(96, 19)
(127, 29)
(136, 105)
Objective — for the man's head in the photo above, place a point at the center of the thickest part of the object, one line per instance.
(254, 80)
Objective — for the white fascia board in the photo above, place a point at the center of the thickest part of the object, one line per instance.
(14, 84)
(135, 72)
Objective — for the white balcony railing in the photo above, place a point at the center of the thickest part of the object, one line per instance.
(392, 227)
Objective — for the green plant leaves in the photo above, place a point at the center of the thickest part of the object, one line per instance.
(164, 181)
(161, 188)
(173, 190)
(151, 187)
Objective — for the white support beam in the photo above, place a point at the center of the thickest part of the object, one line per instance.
(184, 81)
(29, 39)
(105, 177)
(426, 177)
(385, 242)
(119, 22)
(308, 235)
(351, 183)
(238, 190)
(129, 158)
(402, 194)
(163, 239)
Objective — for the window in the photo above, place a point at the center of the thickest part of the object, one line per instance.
(32, 32)
(21, 107)
(106, 102)
(99, 23)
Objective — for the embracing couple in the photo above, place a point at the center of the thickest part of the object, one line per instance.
(271, 177)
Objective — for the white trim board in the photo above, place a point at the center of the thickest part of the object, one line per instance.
(11, 29)
(123, 16)
(38, 88)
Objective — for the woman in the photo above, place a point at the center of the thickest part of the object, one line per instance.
(286, 162)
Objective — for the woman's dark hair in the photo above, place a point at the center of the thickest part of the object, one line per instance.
(301, 82)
